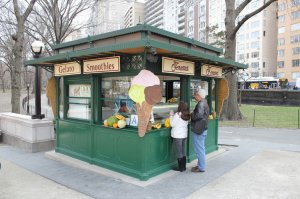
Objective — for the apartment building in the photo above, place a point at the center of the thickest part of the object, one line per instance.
(256, 40)
(288, 56)
(135, 14)
(166, 14)
(108, 15)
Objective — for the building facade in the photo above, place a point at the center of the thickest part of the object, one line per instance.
(108, 15)
(255, 40)
(135, 14)
(166, 14)
(288, 58)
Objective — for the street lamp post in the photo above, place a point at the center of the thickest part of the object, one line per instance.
(37, 49)
(28, 99)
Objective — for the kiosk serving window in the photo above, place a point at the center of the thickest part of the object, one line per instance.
(79, 101)
(114, 96)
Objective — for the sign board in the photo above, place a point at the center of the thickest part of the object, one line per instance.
(134, 120)
(69, 68)
(80, 90)
(177, 66)
(211, 71)
(102, 65)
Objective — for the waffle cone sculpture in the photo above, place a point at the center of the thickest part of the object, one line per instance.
(223, 94)
(145, 90)
(51, 93)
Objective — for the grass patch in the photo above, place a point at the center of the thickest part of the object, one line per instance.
(267, 116)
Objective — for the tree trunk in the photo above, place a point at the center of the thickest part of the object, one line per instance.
(230, 109)
(16, 76)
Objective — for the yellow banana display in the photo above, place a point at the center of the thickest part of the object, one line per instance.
(120, 117)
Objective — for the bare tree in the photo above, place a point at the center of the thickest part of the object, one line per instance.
(230, 110)
(54, 20)
(17, 15)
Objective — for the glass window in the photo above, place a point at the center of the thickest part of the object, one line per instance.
(255, 24)
(295, 38)
(281, 6)
(295, 3)
(79, 101)
(295, 75)
(170, 98)
(280, 64)
(296, 51)
(254, 54)
(255, 35)
(281, 41)
(295, 27)
(281, 30)
(114, 97)
(295, 15)
(195, 85)
(281, 18)
(255, 44)
(280, 53)
(296, 63)
(280, 75)
(254, 64)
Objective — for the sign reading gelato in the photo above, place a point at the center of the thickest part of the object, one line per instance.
(102, 65)
(211, 71)
(177, 66)
(70, 68)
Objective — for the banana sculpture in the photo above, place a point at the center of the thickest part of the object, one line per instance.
(120, 117)
(157, 125)
(172, 100)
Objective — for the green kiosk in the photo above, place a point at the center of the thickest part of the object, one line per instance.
(92, 77)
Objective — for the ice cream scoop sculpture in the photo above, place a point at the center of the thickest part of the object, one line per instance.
(145, 90)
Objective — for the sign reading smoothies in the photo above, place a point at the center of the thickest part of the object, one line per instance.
(177, 66)
(211, 71)
(102, 65)
(69, 68)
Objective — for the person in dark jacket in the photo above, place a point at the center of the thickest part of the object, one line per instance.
(199, 122)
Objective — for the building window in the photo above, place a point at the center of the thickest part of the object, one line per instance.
(281, 18)
(295, 3)
(79, 101)
(281, 41)
(264, 64)
(255, 35)
(295, 75)
(254, 74)
(295, 27)
(281, 30)
(280, 75)
(281, 7)
(280, 53)
(296, 63)
(295, 38)
(254, 64)
(255, 44)
(280, 64)
(295, 15)
(255, 24)
(241, 57)
(296, 51)
(254, 54)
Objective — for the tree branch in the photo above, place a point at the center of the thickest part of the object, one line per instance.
(248, 16)
(241, 7)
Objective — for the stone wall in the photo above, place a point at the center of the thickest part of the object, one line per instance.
(31, 135)
(271, 97)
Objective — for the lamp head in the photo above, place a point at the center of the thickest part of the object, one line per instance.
(37, 48)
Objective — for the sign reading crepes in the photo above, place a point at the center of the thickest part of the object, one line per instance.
(69, 68)
(177, 66)
(211, 71)
(102, 65)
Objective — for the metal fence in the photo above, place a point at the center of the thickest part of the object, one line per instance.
(262, 118)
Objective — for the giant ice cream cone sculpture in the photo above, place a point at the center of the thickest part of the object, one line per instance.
(145, 90)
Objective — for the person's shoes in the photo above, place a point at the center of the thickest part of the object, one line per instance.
(196, 169)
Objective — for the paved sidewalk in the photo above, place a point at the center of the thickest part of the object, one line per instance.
(258, 163)
(16, 182)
